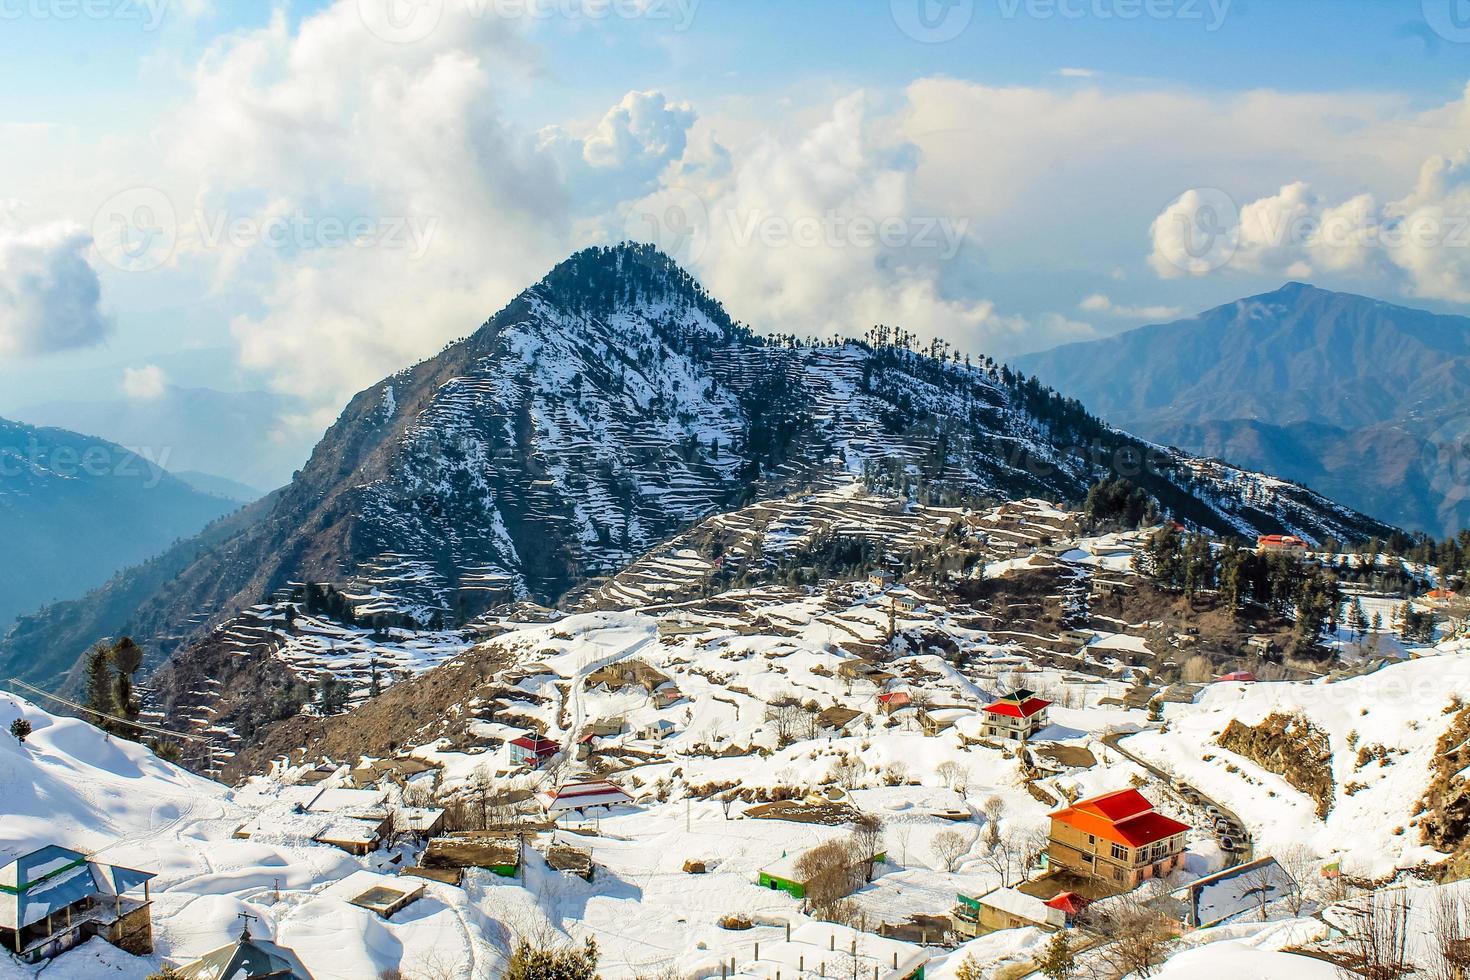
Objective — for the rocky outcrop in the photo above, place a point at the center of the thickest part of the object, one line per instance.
(1293, 748)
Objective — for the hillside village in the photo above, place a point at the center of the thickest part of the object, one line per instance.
(822, 736)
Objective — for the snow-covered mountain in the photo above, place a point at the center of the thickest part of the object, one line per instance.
(610, 406)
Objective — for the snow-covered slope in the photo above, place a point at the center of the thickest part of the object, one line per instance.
(73, 785)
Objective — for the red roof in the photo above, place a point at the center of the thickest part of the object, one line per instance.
(1282, 539)
(894, 697)
(1124, 816)
(1011, 709)
(1068, 902)
(540, 746)
(1243, 676)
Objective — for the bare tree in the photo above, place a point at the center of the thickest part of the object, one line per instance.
(827, 873)
(1378, 937)
(787, 720)
(955, 776)
(995, 811)
(848, 772)
(1135, 938)
(1450, 945)
(949, 846)
(1302, 865)
(867, 842)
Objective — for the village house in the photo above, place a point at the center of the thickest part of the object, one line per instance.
(880, 579)
(783, 876)
(667, 694)
(1289, 543)
(384, 895)
(1015, 717)
(1117, 837)
(247, 958)
(1004, 908)
(905, 600)
(446, 857)
(582, 796)
(893, 701)
(532, 751)
(657, 731)
(1224, 895)
(354, 820)
(54, 898)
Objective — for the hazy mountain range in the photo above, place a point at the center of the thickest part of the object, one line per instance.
(224, 442)
(1364, 401)
(74, 509)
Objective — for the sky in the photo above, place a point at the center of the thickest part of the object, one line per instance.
(305, 198)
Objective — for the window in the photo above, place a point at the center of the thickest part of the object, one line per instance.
(1120, 853)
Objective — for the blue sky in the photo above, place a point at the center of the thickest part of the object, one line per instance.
(1038, 158)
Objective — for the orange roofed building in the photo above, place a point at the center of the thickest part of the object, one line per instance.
(1117, 837)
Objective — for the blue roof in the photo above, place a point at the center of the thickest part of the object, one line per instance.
(48, 880)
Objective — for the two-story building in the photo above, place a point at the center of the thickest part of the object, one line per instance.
(1016, 716)
(1117, 837)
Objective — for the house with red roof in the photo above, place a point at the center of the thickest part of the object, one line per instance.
(894, 700)
(532, 750)
(1016, 716)
(1117, 837)
(1281, 542)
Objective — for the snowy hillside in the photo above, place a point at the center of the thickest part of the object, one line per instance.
(605, 410)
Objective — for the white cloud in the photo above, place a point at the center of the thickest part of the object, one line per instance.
(1101, 303)
(1421, 241)
(50, 297)
(147, 383)
(1077, 72)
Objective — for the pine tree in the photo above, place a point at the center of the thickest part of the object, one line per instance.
(1059, 963)
(543, 963)
(101, 688)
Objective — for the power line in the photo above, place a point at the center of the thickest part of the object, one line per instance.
(102, 714)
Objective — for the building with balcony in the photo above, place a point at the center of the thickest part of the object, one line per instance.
(55, 898)
(1117, 837)
(1015, 717)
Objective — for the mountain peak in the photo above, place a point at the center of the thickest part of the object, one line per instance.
(604, 279)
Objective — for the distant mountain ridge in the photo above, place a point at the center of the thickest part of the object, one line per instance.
(1362, 400)
(603, 410)
(74, 509)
